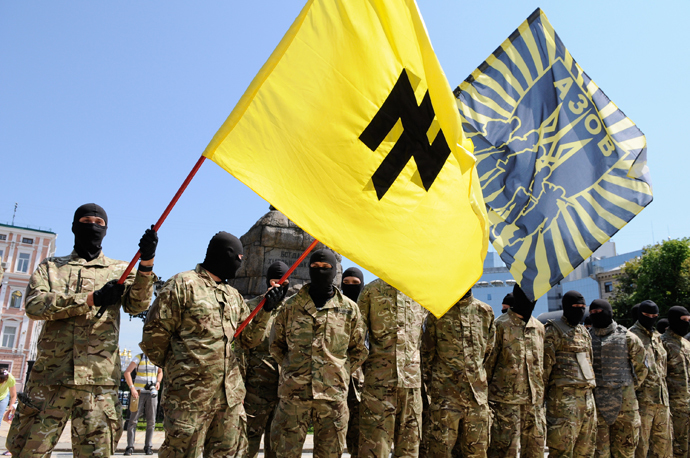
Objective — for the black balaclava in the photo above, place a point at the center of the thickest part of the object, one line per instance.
(677, 325)
(633, 312)
(573, 314)
(662, 325)
(509, 300)
(588, 321)
(223, 255)
(521, 304)
(647, 307)
(275, 272)
(352, 291)
(88, 236)
(604, 318)
(321, 288)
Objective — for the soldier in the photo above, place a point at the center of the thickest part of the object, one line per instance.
(571, 417)
(318, 340)
(261, 378)
(391, 411)
(515, 371)
(619, 368)
(77, 368)
(456, 348)
(678, 368)
(189, 330)
(507, 303)
(351, 286)
(656, 428)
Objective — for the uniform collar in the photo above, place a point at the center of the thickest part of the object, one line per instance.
(517, 321)
(99, 260)
(204, 274)
(673, 334)
(565, 320)
(331, 303)
(605, 331)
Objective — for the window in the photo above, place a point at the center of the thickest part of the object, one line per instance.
(5, 367)
(27, 240)
(608, 287)
(16, 300)
(8, 336)
(23, 262)
(3, 236)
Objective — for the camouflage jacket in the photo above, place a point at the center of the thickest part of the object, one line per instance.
(456, 348)
(678, 369)
(394, 323)
(259, 369)
(189, 331)
(515, 368)
(74, 348)
(317, 350)
(653, 390)
(562, 366)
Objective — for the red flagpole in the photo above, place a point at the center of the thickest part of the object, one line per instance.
(165, 214)
(282, 279)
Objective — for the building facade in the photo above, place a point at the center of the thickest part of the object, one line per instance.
(21, 251)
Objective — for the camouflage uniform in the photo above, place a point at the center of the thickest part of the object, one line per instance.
(317, 350)
(456, 348)
(656, 428)
(189, 330)
(515, 370)
(261, 382)
(619, 368)
(391, 410)
(678, 367)
(77, 369)
(571, 417)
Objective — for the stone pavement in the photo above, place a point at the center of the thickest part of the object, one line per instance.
(64, 445)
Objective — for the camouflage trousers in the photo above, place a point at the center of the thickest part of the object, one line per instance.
(656, 431)
(260, 412)
(458, 423)
(390, 417)
(517, 429)
(352, 436)
(426, 424)
(681, 427)
(214, 429)
(571, 422)
(96, 420)
(293, 418)
(620, 439)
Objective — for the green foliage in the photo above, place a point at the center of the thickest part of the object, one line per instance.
(662, 275)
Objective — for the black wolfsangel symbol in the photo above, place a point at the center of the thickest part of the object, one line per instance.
(416, 120)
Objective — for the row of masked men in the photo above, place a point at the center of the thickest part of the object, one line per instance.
(484, 382)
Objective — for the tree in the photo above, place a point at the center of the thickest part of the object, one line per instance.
(661, 274)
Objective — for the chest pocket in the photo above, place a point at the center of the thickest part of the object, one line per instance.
(338, 331)
(204, 315)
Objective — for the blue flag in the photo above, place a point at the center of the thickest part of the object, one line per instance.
(562, 169)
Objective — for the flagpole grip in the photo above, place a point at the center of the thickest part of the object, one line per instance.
(282, 279)
(156, 226)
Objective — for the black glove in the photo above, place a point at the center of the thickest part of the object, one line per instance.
(109, 294)
(274, 296)
(148, 243)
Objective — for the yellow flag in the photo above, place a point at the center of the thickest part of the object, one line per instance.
(351, 130)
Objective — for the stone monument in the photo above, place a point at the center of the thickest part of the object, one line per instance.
(275, 238)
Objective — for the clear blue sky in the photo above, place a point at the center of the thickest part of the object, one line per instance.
(113, 102)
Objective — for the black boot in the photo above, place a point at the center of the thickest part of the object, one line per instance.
(148, 450)
(129, 451)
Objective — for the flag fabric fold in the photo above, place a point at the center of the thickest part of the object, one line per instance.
(351, 129)
(562, 169)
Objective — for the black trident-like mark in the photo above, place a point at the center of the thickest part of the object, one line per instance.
(416, 120)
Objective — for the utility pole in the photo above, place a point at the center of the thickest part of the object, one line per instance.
(15, 212)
